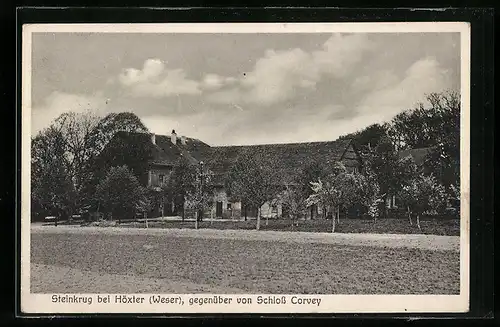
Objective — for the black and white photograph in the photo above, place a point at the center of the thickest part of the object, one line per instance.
(245, 168)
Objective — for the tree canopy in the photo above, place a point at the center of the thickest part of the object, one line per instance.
(52, 189)
(79, 139)
(423, 193)
(120, 193)
(253, 179)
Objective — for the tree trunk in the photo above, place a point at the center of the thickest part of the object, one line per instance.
(409, 215)
(196, 219)
(333, 223)
(98, 211)
(385, 207)
(146, 219)
(258, 218)
(245, 209)
(183, 209)
(267, 220)
(418, 221)
(338, 214)
(211, 216)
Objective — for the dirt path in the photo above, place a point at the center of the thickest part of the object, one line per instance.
(425, 242)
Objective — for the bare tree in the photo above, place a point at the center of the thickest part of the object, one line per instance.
(423, 193)
(200, 193)
(253, 180)
(293, 198)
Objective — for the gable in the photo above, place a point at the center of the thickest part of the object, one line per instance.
(351, 156)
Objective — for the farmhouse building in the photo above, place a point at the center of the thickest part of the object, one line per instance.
(154, 166)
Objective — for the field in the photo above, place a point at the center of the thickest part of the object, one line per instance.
(154, 262)
(449, 227)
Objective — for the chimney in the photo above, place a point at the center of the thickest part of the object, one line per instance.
(153, 138)
(183, 140)
(173, 137)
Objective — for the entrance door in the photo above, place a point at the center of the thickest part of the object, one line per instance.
(218, 209)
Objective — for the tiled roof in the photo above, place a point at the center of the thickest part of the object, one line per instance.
(164, 152)
(291, 156)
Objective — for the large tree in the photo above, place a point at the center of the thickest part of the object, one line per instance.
(52, 189)
(253, 179)
(120, 193)
(83, 135)
(132, 152)
(433, 122)
(368, 138)
(112, 123)
(75, 130)
(384, 161)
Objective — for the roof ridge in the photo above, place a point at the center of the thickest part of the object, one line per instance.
(346, 140)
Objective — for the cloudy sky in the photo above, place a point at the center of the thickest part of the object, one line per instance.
(242, 88)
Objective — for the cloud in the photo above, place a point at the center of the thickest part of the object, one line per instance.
(391, 95)
(340, 53)
(58, 103)
(279, 74)
(155, 80)
(213, 81)
(371, 98)
(291, 88)
(163, 125)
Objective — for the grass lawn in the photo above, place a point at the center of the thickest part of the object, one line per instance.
(253, 266)
(450, 227)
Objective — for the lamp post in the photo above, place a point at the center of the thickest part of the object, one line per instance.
(200, 199)
(201, 190)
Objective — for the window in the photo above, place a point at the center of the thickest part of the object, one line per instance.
(161, 178)
(229, 206)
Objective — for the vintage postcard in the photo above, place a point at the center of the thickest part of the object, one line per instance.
(245, 168)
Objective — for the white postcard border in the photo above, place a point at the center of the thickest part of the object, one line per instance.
(41, 303)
